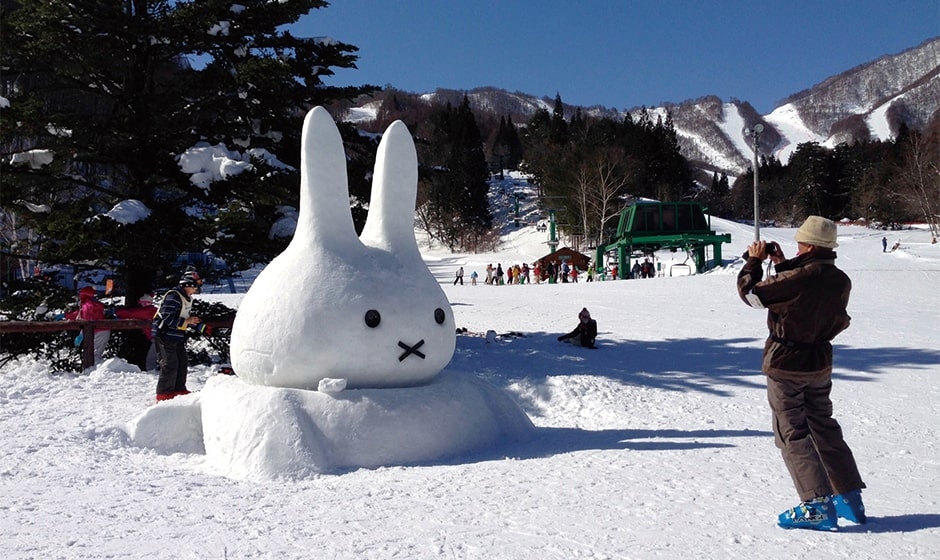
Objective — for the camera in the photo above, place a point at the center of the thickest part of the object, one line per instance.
(771, 248)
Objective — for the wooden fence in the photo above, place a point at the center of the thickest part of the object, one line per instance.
(88, 330)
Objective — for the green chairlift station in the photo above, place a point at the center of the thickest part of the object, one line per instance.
(648, 226)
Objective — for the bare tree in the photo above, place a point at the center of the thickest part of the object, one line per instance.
(18, 240)
(920, 178)
(600, 181)
(584, 184)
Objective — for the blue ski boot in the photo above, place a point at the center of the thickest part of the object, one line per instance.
(849, 506)
(818, 514)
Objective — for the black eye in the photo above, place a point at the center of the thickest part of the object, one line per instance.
(439, 316)
(373, 318)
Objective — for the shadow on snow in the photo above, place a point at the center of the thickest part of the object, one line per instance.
(896, 524)
(707, 365)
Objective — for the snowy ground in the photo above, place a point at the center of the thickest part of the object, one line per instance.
(657, 445)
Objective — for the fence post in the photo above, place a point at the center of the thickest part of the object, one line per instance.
(88, 345)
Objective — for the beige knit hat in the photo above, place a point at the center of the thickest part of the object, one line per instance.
(817, 231)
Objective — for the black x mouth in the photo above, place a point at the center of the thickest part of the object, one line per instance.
(409, 350)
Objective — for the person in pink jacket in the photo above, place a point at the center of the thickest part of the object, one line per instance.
(90, 309)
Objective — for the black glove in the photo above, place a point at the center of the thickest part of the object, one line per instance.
(560, 338)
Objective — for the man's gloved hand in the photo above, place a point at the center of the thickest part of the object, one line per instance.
(560, 338)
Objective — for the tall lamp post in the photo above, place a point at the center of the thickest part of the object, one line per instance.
(755, 134)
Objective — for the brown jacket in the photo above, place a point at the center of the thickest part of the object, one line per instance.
(806, 308)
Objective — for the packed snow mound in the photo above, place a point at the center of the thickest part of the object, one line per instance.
(173, 427)
(260, 433)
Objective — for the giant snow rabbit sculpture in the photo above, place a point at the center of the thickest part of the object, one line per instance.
(336, 307)
(331, 312)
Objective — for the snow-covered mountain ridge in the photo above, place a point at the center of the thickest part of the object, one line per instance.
(869, 101)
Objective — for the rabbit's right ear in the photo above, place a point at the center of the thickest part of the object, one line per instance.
(391, 222)
(324, 219)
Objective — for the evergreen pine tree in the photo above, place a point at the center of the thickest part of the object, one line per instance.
(559, 127)
(115, 91)
(516, 151)
(457, 206)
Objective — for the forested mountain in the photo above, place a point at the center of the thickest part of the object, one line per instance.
(869, 101)
(893, 89)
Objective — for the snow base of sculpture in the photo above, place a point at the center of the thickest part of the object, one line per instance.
(252, 432)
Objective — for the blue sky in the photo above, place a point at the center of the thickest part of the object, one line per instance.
(619, 54)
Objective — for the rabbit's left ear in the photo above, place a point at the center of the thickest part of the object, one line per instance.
(324, 220)
(390, 224)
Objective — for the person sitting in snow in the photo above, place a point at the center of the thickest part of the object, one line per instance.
(584, 334)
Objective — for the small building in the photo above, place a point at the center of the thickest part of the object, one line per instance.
(574, 258)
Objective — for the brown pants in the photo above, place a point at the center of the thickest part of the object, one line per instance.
(810, 439)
